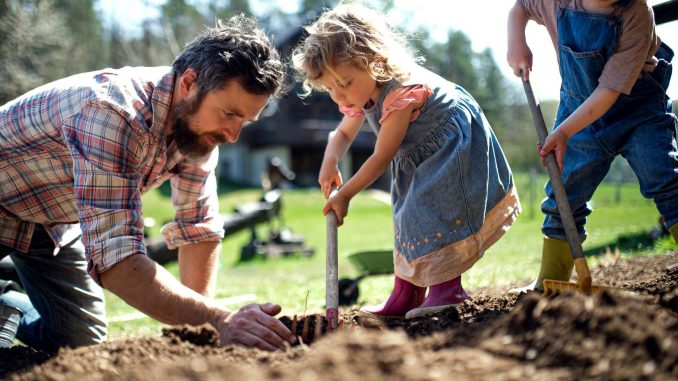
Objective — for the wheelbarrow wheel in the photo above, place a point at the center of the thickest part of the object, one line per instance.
(249, 251)
(348, 291)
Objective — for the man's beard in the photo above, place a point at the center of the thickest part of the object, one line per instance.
(192, 145)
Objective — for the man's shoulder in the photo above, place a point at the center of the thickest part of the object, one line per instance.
(118, 85)
(133, 92)
(121, 87)
(150, 74)
(129, 94)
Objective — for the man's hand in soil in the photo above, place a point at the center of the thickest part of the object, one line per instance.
(253, 325)
(151, 289)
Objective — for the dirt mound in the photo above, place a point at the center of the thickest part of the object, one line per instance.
(607, 336)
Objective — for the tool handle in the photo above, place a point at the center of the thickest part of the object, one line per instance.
(554, 174)
(332, 273)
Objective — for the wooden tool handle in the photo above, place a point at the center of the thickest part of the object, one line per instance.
(554, 174)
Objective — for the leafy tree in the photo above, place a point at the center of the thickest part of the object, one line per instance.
(317, 5)
(232, 8)
(163, 38)
(180, 22)
(477, 72)
(456, 60)
(120, 49)
(85, 27)
(492, 88)
(35, 47)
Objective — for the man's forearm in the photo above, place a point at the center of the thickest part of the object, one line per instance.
(198, 266)
(151, 289)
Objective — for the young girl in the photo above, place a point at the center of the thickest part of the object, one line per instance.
(615, 71)
(452, 190)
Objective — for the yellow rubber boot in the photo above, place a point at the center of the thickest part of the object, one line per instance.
(556, 264)
(674, 232)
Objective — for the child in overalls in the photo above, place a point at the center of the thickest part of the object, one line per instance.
(452, 190)
(615, 71)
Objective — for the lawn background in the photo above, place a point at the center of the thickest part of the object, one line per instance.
(621, 220)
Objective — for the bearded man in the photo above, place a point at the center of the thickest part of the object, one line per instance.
(76, 156)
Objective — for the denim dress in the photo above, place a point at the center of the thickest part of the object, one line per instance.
(452, 190)
(639, 126)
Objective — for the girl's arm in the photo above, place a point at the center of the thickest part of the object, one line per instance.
(518, 55)
(391, 135)
(595, 106)
(337, 146)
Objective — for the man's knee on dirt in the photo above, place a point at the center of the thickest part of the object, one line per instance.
(50, 333)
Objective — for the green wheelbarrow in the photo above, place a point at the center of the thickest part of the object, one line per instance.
(372, 262)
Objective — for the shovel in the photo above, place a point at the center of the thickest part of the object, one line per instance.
(331, 274)
(584, 280)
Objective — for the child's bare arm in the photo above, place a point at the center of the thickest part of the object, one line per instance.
(518, 55)
(391, 135)
(337, 146)
(597, 104)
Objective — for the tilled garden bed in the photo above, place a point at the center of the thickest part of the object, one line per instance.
(608, 336)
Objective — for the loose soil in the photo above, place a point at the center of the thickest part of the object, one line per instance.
(612, 335)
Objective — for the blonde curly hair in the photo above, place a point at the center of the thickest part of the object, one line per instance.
(351, 33)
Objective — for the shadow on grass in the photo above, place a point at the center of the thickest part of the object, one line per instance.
(626, 243)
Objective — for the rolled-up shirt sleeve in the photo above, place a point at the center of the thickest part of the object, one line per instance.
(106, 149)
(533, 9)
(194, 195)
(636, 47)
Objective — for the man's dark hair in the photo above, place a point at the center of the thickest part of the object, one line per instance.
(235, 49)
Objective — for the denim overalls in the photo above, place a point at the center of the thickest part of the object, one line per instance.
(639, 126)
(447, 174)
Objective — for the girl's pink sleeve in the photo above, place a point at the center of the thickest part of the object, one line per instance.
(402, 97)
(350, 112)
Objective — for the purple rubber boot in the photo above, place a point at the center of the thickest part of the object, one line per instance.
(440, 297)
(404, 297)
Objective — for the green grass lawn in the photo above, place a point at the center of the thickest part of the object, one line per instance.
(621, 220)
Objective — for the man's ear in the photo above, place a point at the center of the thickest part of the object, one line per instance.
(188, 81)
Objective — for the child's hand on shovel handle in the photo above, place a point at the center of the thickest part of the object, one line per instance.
(339, 205)
(555, 142)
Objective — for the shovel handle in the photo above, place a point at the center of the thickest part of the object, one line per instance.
(332, 273)
(554, 174)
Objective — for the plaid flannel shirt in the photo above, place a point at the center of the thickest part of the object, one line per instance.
(76, 155)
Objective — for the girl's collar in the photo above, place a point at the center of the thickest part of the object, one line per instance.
(380, 87)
